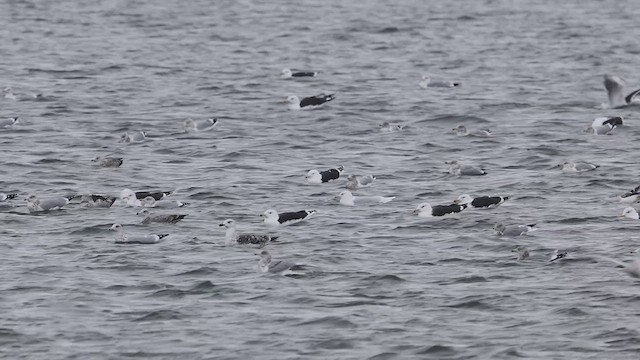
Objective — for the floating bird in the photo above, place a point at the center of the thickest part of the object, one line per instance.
(309, 102)
(149, 201)
(123, 238)
(425, 209)
(523, 252)
(9, 122)
(616, 92)
(481, 202)
(347, 198)
(287, 73)
(630, 213)
(267, 264)
(558, 255)
(128, 196)
(107, 162)
(604, 125)
(136, 137)
(35, 204)
(577, 167)
(427, 82)
(462, 130)
(355, 182)
(167, 219)
(457, 168)
(513, 230)
(388, 127)
(5, 197)
(232, 236)
(8, 93)
(96, 201)
(272, 217)
(192, 126)
(631, 196)
(319, 177)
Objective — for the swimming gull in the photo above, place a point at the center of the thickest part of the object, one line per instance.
(577, 166)
(319, 177)
(5, 197)
(52, 203)
(631, 196)
(457, 168)
(630, 213)
(604, 125)
(287, 73)
(425, 210)
(107, 161)
(388, 127)
(347, 198)
(523, 252)
(96, 201)
(8, 122)
(616, 92)
(192, 126)
(272, 217)
(481, 202)
(164, 218)
(232, 236)
(512, 230)
(355, 182)
(267, 264)
(462, 130)
(123, 238)
(149, 201)
(427, 82)
(309, 102)
(136, 137)
(157, 195)
(9, 93)
(557, 255)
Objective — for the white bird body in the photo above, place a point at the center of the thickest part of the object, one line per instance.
(347, 199)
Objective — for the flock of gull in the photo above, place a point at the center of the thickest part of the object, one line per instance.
(149, 201)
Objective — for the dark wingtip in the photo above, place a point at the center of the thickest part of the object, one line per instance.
(273, 238)
(162, 236)
(505, 198)
(531, 225)
(11, 196)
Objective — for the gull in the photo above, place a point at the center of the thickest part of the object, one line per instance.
(457, 168)
(462, 130)
(577, 167)
(311, 102)
(149, 201)
(523, 252)
(615, 87)
(232, 236)
(355, 182)
(167, 219)
(631, 196)
(131, 198)
(272, 217)
(388, 127)
(604, 125)
(427, 82)
(136, 137)
(267, 264)
(425, 210)
(107, 161)
(319, 177)
(123, 238)
(192, 126)
(512, 230)
(630, 213)
(481, 202)
(5, 197)
(8, 122)
(287, 73)
(347, 198)
(558, 255)
(35, 204)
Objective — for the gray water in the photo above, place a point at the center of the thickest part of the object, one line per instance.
(386, 284)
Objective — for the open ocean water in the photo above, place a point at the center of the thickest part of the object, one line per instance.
(386, 284)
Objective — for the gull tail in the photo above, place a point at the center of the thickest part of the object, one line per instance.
(162, 236)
